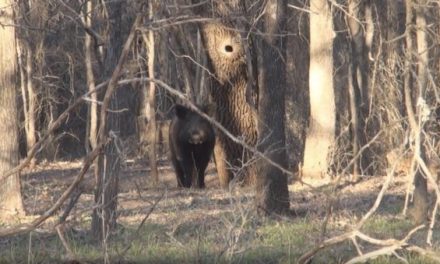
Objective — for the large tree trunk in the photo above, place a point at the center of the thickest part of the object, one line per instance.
(11, 202)
(227, 60)
(321, 134)
(272, 194)
(108, 163)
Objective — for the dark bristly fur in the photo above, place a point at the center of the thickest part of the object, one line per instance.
(192, 140)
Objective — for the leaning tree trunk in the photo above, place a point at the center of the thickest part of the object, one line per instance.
(272, 194)
(322, 126)
(11, 202)
(227, 60)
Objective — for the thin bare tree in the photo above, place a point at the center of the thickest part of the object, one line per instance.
(358, 79)
(108, 163)
(150, 109)
(92, 120)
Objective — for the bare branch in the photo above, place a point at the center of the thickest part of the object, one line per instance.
(387, 250)
(98, 39)
(24, 228)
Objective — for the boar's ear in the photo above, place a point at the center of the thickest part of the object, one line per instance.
(209, 109)
(180, 111)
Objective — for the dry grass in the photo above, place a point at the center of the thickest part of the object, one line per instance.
(204, 226)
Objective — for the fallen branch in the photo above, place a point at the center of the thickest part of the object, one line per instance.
(389, 246)
(355, 232)
(387, 250)
(305, 258)
(424, 252)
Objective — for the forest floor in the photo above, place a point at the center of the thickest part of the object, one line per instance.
(207, 226)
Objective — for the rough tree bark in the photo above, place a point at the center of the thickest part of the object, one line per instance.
(321, 134)
(419, 204)
(272, 194)
(108, 163)
(227, 60)
(11, 203)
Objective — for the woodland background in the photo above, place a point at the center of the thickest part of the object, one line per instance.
(327, 123)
